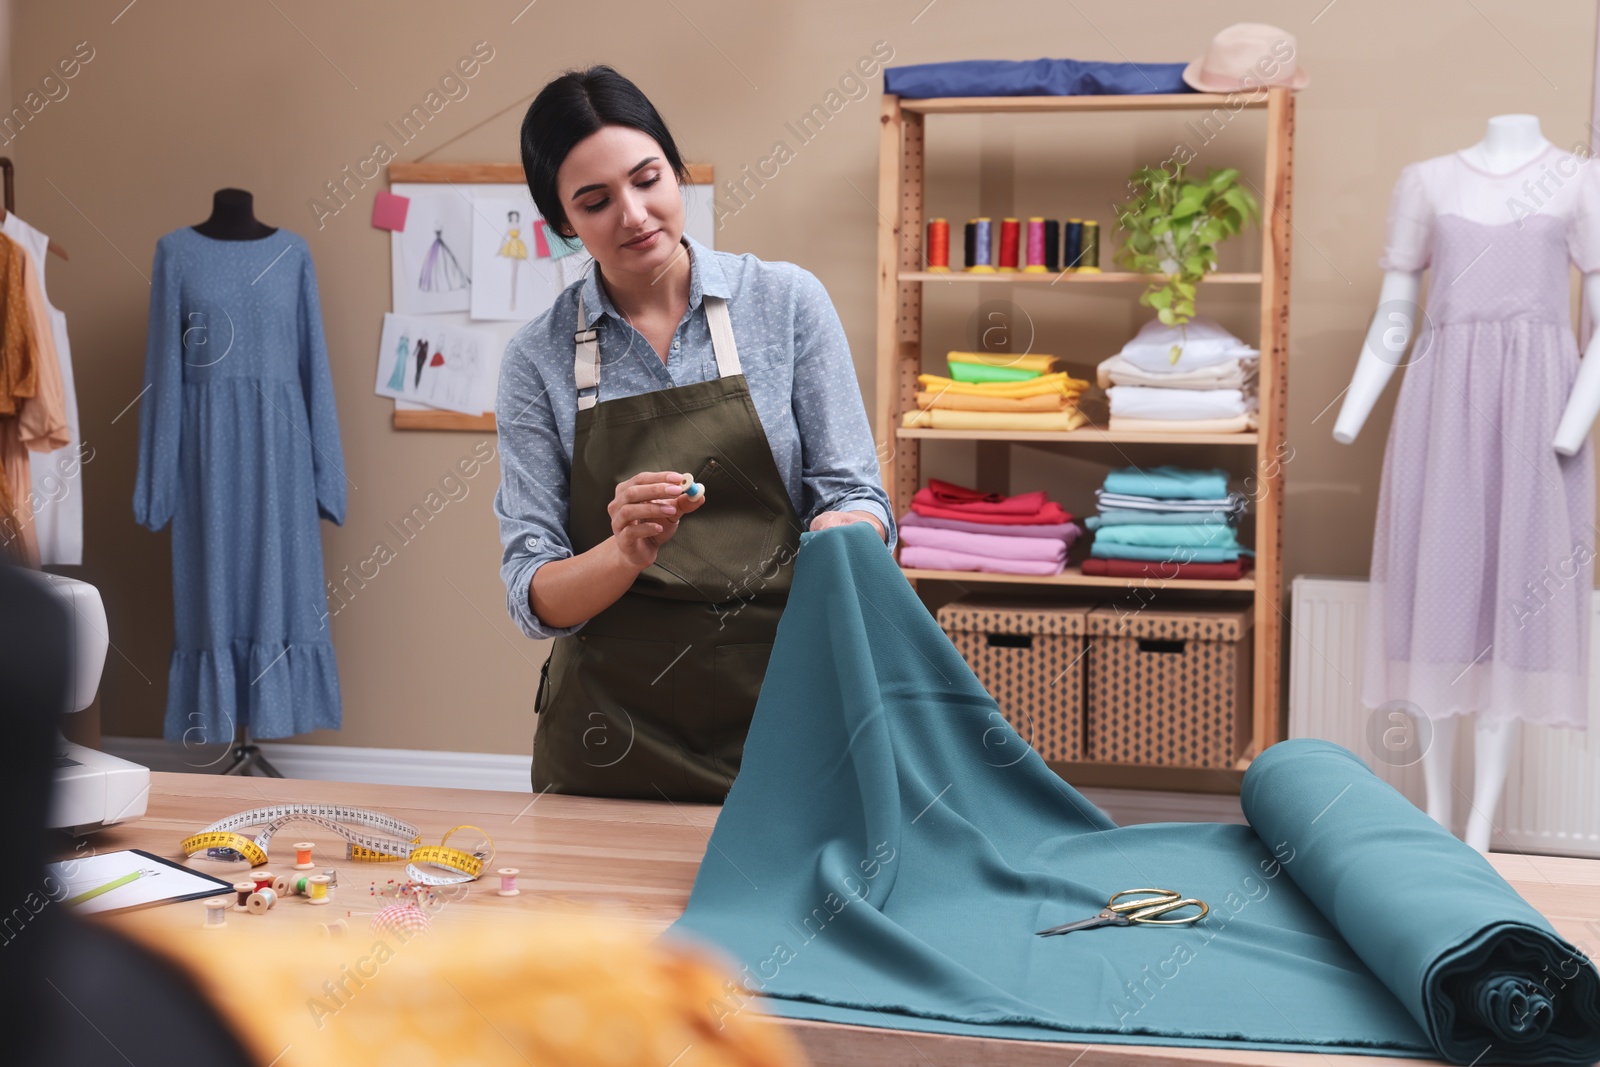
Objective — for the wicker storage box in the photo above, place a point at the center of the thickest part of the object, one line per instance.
(1029, 656)
(1169, 687)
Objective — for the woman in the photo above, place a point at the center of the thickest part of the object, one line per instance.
(667, 361)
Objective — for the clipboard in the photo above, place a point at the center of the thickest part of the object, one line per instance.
(158, 881)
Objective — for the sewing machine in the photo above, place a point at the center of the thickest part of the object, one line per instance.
(92, 789)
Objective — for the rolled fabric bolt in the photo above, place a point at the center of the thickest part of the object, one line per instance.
(318, 885)
(216, 913)
(302, 856)
(261, 901)
(243, 889)
(508, 882)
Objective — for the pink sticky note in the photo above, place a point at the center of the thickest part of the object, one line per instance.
(389, 211)
(541, 247)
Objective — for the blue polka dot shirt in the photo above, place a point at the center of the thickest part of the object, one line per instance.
(794, 355)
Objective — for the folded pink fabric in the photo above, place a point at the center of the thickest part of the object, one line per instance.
(942, 559)
(1048, 549)
(1066, 531)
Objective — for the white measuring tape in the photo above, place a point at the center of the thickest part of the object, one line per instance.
(394, 840)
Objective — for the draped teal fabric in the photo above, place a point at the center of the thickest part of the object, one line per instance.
(891, 845)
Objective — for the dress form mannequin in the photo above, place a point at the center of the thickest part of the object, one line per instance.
(1510, 142)
(232, 218)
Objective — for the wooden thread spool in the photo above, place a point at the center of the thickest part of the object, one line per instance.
(263, 879)
(337, 928)
(302, 856)
(318, 884)
(261, 901)
(216, 913)
(508, 882)
(939, 246)
(243, 889)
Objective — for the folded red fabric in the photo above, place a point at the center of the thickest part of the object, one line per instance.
(1138, 568)
(972, 502)
(1048, 514)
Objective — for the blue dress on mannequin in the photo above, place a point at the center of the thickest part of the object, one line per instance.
(239, 450)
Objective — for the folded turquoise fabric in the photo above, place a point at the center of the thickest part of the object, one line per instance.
(1156, 535)
(1164, 554)
(1169, 482)
(891, 845)
(1129, 517)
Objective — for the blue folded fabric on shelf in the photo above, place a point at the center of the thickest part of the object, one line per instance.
(1166, 535)
(1033, 77)
(1165, 553)
(1168, 482)
(891, 845)
(1134, 517)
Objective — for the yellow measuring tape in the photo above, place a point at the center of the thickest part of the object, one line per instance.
(394, 841)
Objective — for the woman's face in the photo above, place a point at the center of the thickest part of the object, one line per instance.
(622, 199)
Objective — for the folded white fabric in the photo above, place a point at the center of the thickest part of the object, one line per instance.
(1234, 374)
(1149, 402)
(1200, 343)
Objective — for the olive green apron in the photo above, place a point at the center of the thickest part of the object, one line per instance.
(652, 698)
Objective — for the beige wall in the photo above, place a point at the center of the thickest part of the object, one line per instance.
(183, 98)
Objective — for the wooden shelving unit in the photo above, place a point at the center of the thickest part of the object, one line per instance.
(901, 287)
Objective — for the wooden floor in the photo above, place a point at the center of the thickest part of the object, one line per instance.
(638, 859)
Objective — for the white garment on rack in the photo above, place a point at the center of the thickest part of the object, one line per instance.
(1234, 374)
(57, 476)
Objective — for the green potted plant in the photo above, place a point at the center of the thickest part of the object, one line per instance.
(1173, 227)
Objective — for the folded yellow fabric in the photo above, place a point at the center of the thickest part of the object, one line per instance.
(943, 419)
(1034, 361)
(1234, 424)
(963, 402)
(1060, 384)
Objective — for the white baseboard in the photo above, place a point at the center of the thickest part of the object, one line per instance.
(342, 763)
(489, 770)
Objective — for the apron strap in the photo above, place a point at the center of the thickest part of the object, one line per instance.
(586, 350)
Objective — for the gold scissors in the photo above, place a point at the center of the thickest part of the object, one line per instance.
(1140, 910)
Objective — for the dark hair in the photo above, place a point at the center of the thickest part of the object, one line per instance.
(569, 109)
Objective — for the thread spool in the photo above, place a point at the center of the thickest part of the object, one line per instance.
(302, 855)
(508, 882)
(337, 928)
(1035, 264)
(980, 246)
(1074, 245)
(261, 901)
(263, 879)
(318, 884)
(216, 913)
(1089, 254)
(1009, 239)
(691, 488)
(939, 245)
(243, 890)
(1052, 245)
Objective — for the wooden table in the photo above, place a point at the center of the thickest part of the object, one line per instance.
(639, 859)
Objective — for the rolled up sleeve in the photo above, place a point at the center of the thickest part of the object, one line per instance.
(531, 503)
(838, 457)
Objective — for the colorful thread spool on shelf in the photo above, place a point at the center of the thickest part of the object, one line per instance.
(261, 901)
(980, 246)
(216, 913)
(1089, 253)
(508, 882)
(1010, 230)
(302, 856)
(939, 246)
(318, 884)
(1035, 264)
(243, 890)
(1074, 245)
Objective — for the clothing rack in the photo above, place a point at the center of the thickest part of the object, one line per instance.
(9, 170)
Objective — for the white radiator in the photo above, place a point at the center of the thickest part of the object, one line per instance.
(1552, 796)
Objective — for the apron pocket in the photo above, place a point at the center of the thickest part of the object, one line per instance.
(619, 689)
(721, 551)
(738, 671)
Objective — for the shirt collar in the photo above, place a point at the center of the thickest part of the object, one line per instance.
(705, 279)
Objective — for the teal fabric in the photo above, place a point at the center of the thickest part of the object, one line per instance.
(1129, 517)
(1164, 554)
(1168, 482)
(1156, 535)
(891, 845)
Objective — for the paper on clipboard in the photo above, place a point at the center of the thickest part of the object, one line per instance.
(160, 881)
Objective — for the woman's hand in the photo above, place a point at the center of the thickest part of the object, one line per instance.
(845, 518)
(645, 513)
